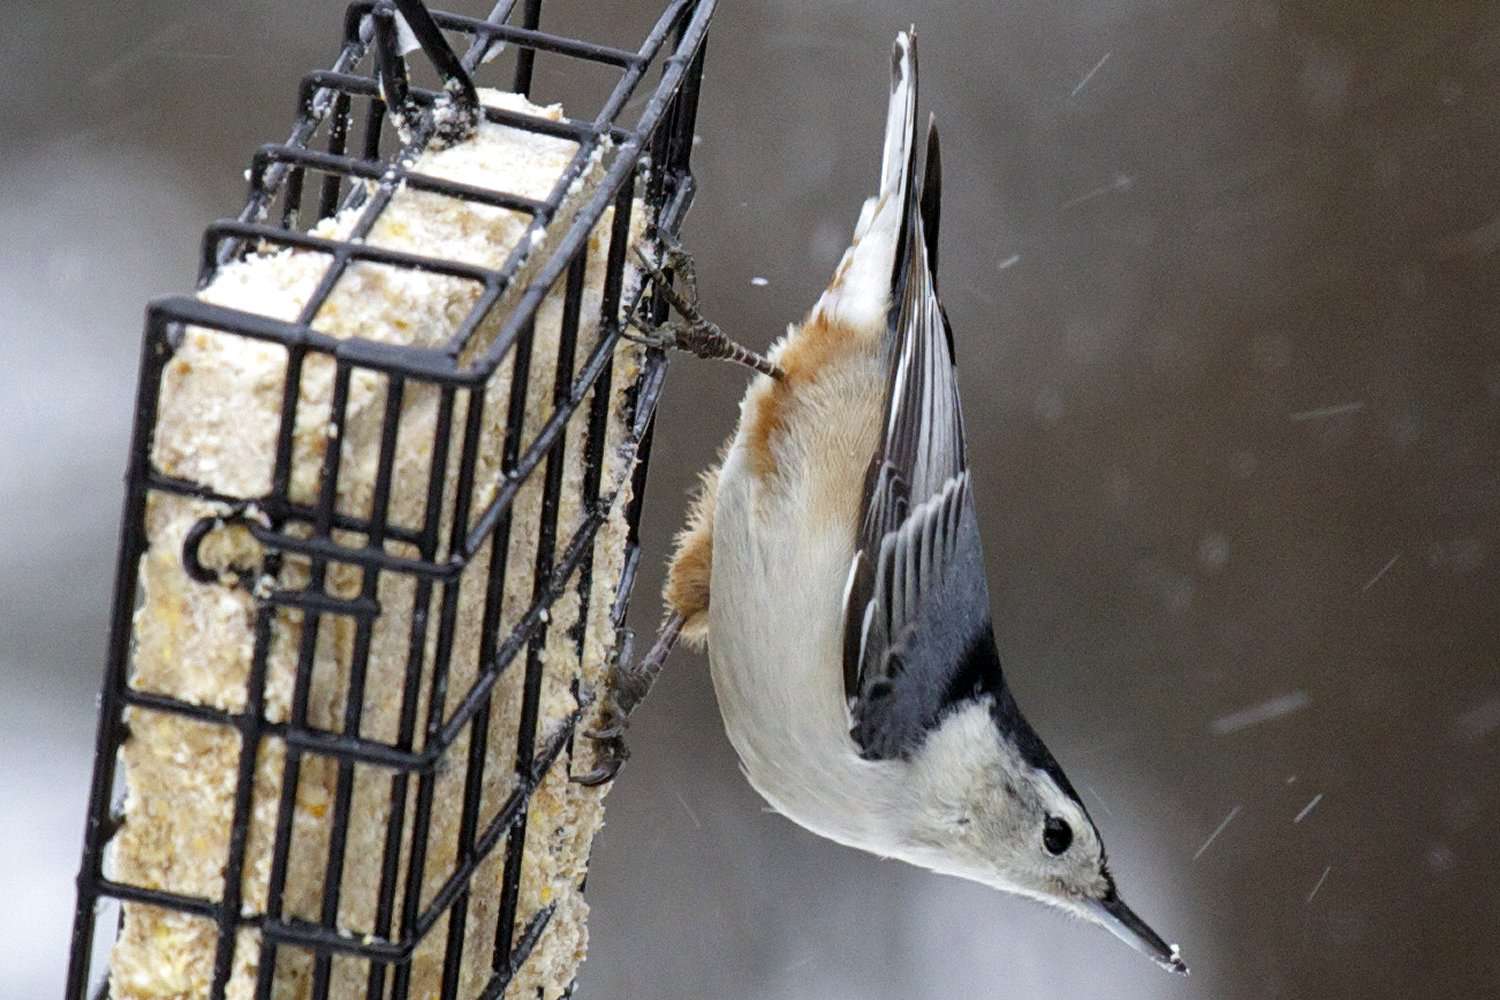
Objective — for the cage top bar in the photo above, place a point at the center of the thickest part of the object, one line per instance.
(269, 173)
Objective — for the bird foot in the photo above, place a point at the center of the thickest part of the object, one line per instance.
(694, 334)
(625, 687)
(610, 754)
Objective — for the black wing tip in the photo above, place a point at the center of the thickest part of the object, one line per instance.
(932, 196)
(927, 200)
(910, 208)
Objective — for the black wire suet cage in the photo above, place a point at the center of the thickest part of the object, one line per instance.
(352, 146)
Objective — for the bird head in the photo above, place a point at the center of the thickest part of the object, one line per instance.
(994, 807)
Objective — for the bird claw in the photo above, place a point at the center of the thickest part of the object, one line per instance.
(610, 749)
(598, 776)
(607, 733)
(610, 755)
(694, 334)
(608, 737)
(625, 687)
(663, 338)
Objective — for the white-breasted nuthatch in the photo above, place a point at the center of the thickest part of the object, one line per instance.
(832, 565)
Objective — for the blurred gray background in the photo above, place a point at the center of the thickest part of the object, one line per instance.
(1224, 280)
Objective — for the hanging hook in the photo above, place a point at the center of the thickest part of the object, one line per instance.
(456, 116)
(395, 89)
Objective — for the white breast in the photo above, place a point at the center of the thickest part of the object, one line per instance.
(781, 557)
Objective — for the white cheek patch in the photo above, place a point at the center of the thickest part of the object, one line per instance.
(983, 809)
(963, 772)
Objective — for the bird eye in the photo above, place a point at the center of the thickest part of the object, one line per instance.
(1056, 835)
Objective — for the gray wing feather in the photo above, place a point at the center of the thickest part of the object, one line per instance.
(917, 594)
(920, 652)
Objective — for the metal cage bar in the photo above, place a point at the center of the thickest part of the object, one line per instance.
(345, 107)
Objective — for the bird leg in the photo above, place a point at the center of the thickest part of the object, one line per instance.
(693, 334)
(625, 687)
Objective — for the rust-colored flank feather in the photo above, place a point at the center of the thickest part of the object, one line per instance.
(810, 352)
(819, 349)
(805, 354)
(691, 568)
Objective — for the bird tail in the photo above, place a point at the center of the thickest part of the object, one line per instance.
(861, 290)
(900, 117)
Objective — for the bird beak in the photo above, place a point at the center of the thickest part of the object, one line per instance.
(1122, 922)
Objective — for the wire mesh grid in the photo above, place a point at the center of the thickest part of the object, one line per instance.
(364, 161)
